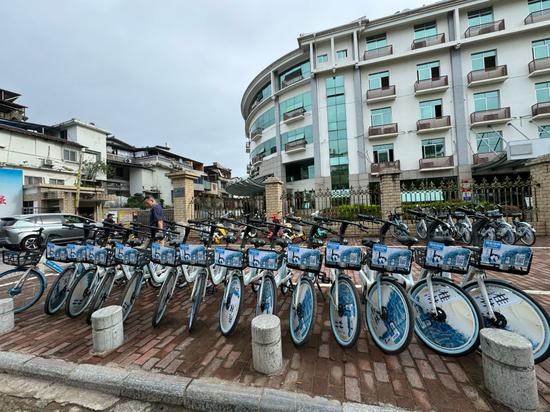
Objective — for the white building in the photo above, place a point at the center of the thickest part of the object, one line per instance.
(441, 91)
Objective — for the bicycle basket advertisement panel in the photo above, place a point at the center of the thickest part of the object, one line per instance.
(345, 257)
(506, 258)
(262, 259)
(391, 259)
(228, 258)
(303, 258)
(193, 254)
(447, 258)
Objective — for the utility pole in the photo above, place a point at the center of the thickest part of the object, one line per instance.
(78, 183)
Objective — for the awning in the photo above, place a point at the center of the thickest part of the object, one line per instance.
(499, 163)
(242, 186)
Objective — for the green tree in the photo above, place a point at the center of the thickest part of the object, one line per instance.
(136, 201)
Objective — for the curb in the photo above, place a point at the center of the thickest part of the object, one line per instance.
(195, 394)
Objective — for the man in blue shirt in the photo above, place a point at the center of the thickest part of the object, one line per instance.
(156, 215)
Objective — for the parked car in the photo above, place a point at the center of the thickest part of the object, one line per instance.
(19, 232)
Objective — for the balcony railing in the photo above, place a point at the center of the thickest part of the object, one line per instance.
(295, 114)
(256, 133)
(257, 159)
(433, 123)
(378, 167)
(117, 158)
(383, 130)
(428, 41)
(381, 92)
(247, 147)
(537, 16)
(539, 65)
(292, 79)
(436, 163)
(495, 115)
(481, 158)
(487, 74)
(296, 145)
(484, 28)
(433, 83)
(541, 109)
(380, 52)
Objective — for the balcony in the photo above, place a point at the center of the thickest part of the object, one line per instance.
(486, 117)
(380, 52)
(436, 163)
(291, 79)
(484, 28)
(256, 134)
(433, 85)
(487, 76)
(381, 94)
(376, 168)
(296, 146)
(247, 147)
(428, 41)
(540, 110)
(256, 160)
(537, 16)
(294, 115)
(482, 158)
(434, 124)
(539, 67)
(386, 130)
(117, 158)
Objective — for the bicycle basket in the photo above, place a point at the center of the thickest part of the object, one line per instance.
(57, 253)
(98, 256)
(166, 256)
(193, 255)
(505, 258)
(343, 257)
(77, 253)
(303, 259)
(229, 258)
(263, 259)
(20, 259)
(130, 256)
(383, 258)
(453, 259)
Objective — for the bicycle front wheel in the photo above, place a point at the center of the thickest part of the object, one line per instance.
(230, 307)
(266, 303)
(389, 316)
(166, 292)
(80, 293)
(527, 236)
(454, 329)
(26, 294)
(345, 318)
(57, 295)
(196, 299)
(516, 312)
(101, 294)
(131, 293)
(302, 315)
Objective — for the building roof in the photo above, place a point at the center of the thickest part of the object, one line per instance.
(77, 122)
(38, 135)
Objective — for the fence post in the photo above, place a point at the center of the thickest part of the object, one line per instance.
(390, 190)
(184, 194)
(273, 197)
(540, 175)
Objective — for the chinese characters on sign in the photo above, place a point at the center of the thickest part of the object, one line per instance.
(3, 200)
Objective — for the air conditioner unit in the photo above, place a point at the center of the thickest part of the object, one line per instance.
(128, 160)
(47, 162)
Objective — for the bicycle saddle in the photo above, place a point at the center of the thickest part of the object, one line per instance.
(369, 241)
(258, 243)
(446, 240)
(407, 240)
(459, 214)
(282, 243)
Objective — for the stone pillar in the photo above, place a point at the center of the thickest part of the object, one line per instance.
(7, 315)
(540, 175)
(107, 329)
(267, 350)
(273, 197)
(183, 185)
(390, 190)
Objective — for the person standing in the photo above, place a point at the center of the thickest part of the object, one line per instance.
(156, 215)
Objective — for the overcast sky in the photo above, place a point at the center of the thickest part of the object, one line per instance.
(158, 71)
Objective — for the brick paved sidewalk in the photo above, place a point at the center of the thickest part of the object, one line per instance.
(416, 379)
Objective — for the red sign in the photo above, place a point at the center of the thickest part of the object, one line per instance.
(3, 200)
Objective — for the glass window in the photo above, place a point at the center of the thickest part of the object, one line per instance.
(427, 71)
(262, 94)
(423, 31)
(33, 180)
(433, 148)
(543, 92)
(544, 132)
(268, 147)
(295, 74)
(538, 5)
(381, 116)
(69, 155)
(382, 153)
(297, 134)
(377, 42)
(57, 182)
(71, 219)
(337, 132)
(479, 17)
(379, 80)
(335, 86)
(342, 54)
(264, 120)
(302, 170)
(431, 109)
(489, 142)
(541, 49)
(52, 219)
(302, 100)
(484, 60)
(487, 101)
(322, 58)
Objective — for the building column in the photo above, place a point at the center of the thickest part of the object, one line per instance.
(390, 190)
(273, 197)
(540, 175)
(183, 184)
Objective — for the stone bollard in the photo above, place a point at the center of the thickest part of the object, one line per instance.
(508, 368)
(107, 329)
(267, 351)
(7, 316)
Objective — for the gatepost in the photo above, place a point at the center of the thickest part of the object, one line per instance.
(390, 190)
(540, 175)
(183, 184)
(273, 197)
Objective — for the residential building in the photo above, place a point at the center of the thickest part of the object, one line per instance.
(216, 180)
(454, 89)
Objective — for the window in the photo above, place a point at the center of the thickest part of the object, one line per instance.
(302, 100)
(431, 109)
(63, 134)
(427, 71)
(262, 94)
(479, 17)
(487, 101)
(489, 142)
(425, 30)
(382, 153)
(379, 80)
(69, 155)
(543, 92)
(34, 180)
(297, 134)
(541, 49)
(337, 132)
(52, 219)
(544, 132)
(72, 219)
(377, 42)
(295, 74)
(484, 60)
(342, 54)
(268, 147)
(322, 58)
(265, 120)
(381, 116)
(433, 148)
(302, 170)
(57, 182)
(538, 5)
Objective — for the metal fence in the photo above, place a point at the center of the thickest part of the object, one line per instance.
(213, 206)
(142, 216)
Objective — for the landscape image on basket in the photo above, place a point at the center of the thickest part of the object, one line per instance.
(341, 256)
(193, 254)
(447, 258)
(163, 255)
(77, 253)
(303, 258)
(510, 258)
(262, 259)
(125, 254)
(229, 258)
(96, 255)
(390, 259)
(57, 252)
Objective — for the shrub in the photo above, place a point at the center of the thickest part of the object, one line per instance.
(350, 212)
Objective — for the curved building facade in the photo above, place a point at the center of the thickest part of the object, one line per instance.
(443, 91)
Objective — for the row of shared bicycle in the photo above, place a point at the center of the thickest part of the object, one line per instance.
(445, 304)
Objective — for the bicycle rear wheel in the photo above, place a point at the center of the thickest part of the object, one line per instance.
(80, 293)
(345, 319)
(57, 294)
(131, 293)
(101, 294)
(28, 293)
(166, 292)
(302, 317)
